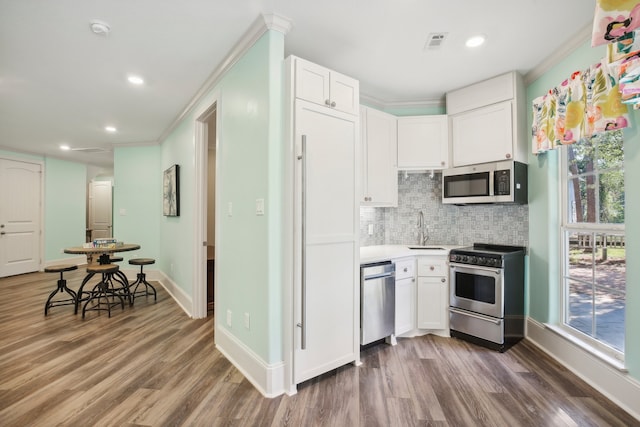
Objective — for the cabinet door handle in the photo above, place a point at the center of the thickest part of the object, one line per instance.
(432, 268)
(406, 269)
(303, 265)
(327, 102)
(508, 156)
(333, 104)
(443, 280)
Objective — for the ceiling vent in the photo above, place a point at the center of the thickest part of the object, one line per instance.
(435, 40)
(91, 150)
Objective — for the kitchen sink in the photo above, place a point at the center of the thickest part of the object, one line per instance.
(427, 248)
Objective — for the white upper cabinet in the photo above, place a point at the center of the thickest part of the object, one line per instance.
(423, 142)
(379, 171)
(488, 122)
(322, 86)
(482, 135)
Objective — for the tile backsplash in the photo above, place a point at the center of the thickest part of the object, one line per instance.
(444, 224)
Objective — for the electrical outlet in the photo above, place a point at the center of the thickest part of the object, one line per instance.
(259, 206)
(230, 209)
(229, 318)
(247, 321)
(370, 229)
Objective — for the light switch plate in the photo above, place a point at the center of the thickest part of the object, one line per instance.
(259, 206)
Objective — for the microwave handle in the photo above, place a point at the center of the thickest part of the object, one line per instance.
(492, 176)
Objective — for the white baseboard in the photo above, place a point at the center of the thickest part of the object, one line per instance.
(618, 386)
(176, 292)
(267, 378)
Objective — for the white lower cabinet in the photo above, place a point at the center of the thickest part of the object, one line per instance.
(432, 293)
(405, 316)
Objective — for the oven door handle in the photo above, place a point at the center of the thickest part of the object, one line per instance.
(476, 316)
(471, 268)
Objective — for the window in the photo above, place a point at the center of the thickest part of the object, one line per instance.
(593, 249)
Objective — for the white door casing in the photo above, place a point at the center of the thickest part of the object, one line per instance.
(20, 217)
(100, 209)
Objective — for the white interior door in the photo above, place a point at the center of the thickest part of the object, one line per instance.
(100, 209)
(326, 286)
(20, 217)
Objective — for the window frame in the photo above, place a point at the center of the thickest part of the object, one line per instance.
(566, 228)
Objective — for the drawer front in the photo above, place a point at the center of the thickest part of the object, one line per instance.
(405, 268)
(432, 267)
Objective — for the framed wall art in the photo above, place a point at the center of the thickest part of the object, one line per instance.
(171, 191)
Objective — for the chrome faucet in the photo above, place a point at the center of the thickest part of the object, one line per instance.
(422, 236)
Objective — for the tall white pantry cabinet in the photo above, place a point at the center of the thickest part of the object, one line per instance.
(323, 124)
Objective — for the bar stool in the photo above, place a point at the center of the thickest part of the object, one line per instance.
(142, 279)
(102, 291)
(120, 277)
(62, 287)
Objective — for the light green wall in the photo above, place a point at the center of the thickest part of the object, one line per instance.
(65, 201)
(544, 268)
(249, 158)
(137, 200)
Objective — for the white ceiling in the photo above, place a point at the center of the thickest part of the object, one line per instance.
(60, 83)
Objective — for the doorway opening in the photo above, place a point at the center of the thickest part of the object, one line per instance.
(206, 132)
(211, 208)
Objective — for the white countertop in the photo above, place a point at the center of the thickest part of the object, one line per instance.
(369, 254)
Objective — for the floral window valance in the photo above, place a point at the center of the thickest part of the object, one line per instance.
(613, 19)
(586, 103)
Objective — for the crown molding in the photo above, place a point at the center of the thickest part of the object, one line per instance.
(276, 22)
(260, 26)
(575, 42)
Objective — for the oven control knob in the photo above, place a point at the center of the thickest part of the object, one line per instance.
(473, 260)
(465, 258)
(482, 260)
(490, 261)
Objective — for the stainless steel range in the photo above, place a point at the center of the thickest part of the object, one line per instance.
(487, 294)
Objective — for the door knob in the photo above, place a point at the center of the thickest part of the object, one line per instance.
(2, 233)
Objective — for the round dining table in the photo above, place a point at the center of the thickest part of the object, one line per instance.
(102, 252)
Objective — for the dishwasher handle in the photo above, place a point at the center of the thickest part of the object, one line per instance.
(380, 275)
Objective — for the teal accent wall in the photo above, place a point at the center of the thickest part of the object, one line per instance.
(65, 206)
(249, 160)
(544, 219)
(137, 200)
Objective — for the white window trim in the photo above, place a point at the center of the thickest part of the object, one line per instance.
(607, 354)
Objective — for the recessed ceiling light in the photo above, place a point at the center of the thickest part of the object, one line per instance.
(135, 80)
(110, 129)
(475, 41)
(65, 147)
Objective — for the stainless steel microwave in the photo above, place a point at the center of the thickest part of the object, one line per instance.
(496, 182)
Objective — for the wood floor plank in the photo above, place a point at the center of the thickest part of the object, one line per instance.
(150, 365)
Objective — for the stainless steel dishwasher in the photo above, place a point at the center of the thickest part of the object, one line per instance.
(377, 301)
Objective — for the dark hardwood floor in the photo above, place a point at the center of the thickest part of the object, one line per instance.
(151, 365)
